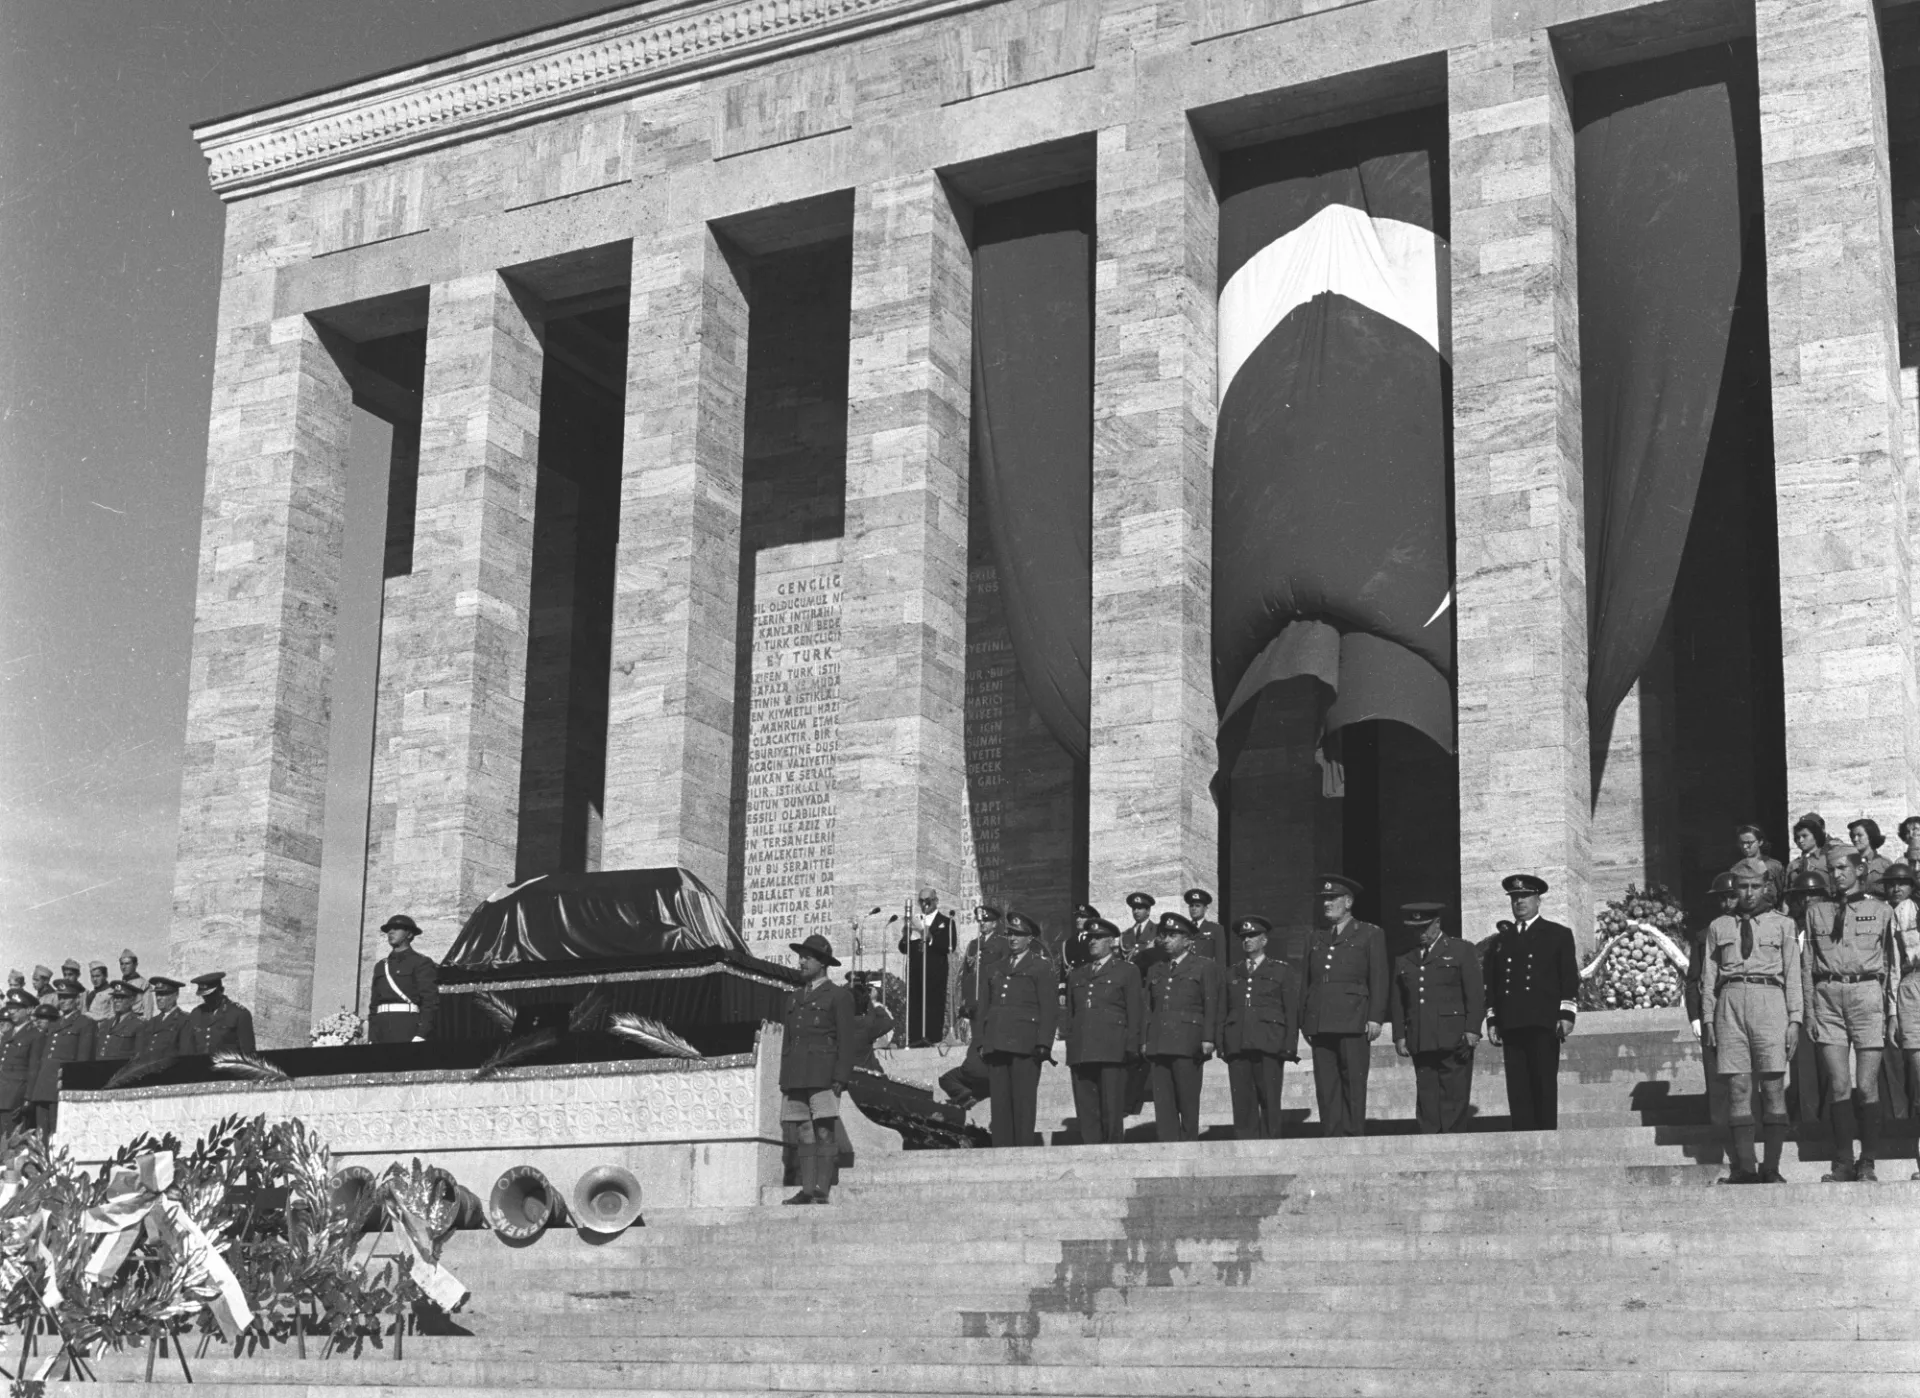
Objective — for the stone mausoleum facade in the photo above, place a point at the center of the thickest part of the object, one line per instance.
(670, 312)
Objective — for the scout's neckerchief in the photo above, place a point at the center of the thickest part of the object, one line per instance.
(407, 1197)
(137, 1204)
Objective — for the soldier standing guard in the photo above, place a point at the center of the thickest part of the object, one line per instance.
(162, 1034)
(1751, 1008)
(1106, 1027)
(1845, 970)
(216, 1023)
(118, 1035)
(1016, 1032)
(1183, 1025)
(816, 1064)
(1346, 1004)
(20, 1056)
(405, 999)
(1437, 1005)
(1533, 990)
(1261, 1034)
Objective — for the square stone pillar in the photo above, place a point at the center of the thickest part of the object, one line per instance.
(903, 623)
(1152, 823)
(253, 787)
(670, 728)
(1520, 592)
(1839, 470)
(453, 640)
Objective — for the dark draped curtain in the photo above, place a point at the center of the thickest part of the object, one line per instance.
(1033, 439)
(1660, 148)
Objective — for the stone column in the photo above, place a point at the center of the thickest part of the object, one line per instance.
(453, 641)
(1839, 472)
(253, 789)
(903, 625)
(1519, 556)
(1152, 823)
(670, 730)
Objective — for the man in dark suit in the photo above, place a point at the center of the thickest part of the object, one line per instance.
(405, 998)
(1184, 992)
(1262, 1031)
(1209, 937)
(1437, 1005)
(1017, 1024)
(1533, 994)
(162, 1034)
(817, 1049)
(1106, 1027)
(928, 941)
(1346, 1004)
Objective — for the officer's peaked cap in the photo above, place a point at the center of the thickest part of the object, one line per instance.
(819, 948)
(1100, 927)
(1334, 885)
(66, 986)
(164, 985)
(1524, 883)
(45, 1012)
(21, 1000)
(1087, 912)
(1253, 927)
(1421, 912)
(1197, 895)
(1175, 923)
(1022, 926)
(1139, 900)
(121, 988)
(210, 980)
(986, 912)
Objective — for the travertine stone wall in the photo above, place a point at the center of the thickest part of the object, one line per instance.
(1839, 467)
(453, 644)
(670, 743)
(1152, 823)
(1520, 570)
(253, 789)
(903, 627)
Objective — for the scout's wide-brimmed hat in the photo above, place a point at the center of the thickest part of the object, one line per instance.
(819, 948)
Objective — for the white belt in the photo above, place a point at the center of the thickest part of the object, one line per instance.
(396, 1009)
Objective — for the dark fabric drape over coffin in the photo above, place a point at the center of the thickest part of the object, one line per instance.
(575, 917)
(1332, 552)
(1658, 164)
(1033, 438)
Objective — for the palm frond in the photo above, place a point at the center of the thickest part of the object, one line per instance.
(654, 1035)
(496, 1009)
(232, 1063)
(590, 1011)
(516, 1051)
(139, 1070)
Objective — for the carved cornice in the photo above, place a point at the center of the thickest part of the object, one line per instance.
(566, 68)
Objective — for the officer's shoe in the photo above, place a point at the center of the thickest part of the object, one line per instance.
(1736, 1175)
(1864, 1173)
(805, 1196)
(1841, 1173)
(1769, 1174)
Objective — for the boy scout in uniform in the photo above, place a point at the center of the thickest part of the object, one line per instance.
(1437, 1005)
(1904, 975)
(1533, 988)
(20, 1057)
(1016, 1032)
(217, 1023)
(1751, 1008)
(118, 1035)
(1845, 971)
(99, 995)
(1261, 1034)
(1725, 897)
(1345, 1006)
(816, 1063)
(1106, 1025)
(162, 1034)
(1183, 1025)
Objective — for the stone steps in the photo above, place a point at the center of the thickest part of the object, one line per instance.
(1227, 1383)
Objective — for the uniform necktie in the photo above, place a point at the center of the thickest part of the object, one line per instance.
(1746, 938)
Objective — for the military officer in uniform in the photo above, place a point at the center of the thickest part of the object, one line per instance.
(1017, 1025)
(1260, 1035)
(406, 991)
(816, 1064)
(984, 956)
(20, 1056)
(1845, 975)
(1184, 994)
(1141, 936)
(71, 1038)
(1209, 937)
(1077, 950)
(217, 1023)
(117, 1035)
(1437, 1005)
(162, 1034)
(1345, 1006)
(1533, 993)
(1106, 1030)
(1751, 1010)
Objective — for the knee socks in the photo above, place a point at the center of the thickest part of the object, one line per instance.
(1773, 1131)
(1840, 1116)
(1869, 1130)
(1742, 1130)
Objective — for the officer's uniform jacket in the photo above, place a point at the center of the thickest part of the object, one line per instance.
(223, 1026)
(1184, 1006)
(1532, 976)
(1210, 939)
(1438, 998)
(70, 1039)
(162, 1035)
(117, 1036)
(1857, 942)
(1138, 937)
(1773, 958)
(406, 975)
(821, 1039)
(1106, 1012)
(1022, 1006)
(984, 960)
(20, 1059)
(1262, 1009)
(1347, 978)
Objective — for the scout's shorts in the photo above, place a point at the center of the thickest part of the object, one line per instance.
(1750, 1029)
(1850, 1012)
(823, 1105)
(1906, 1001)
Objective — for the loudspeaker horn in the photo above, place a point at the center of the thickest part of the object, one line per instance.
(606, 1199)
(523, 1203)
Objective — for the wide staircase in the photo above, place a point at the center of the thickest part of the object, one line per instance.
(1599, 1260)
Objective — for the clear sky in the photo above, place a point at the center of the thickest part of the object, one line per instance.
(109, 263)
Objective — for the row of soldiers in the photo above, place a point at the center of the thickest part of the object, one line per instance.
(40, 1038)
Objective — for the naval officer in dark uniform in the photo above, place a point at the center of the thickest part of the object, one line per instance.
(1533, 994)
(405, 999)
(1346, 1004)
(1184, 993)
(1106, 1028)
(217, 1023)
(1017, 1025)
(817, 1049)
(1437, 1004)
(162, 1034)
(1261, 1034)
